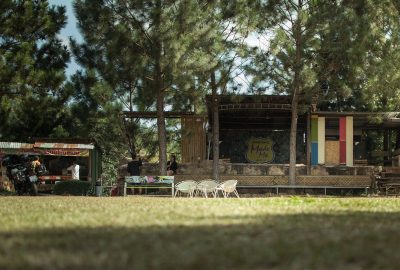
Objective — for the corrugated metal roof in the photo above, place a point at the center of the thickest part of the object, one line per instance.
(15, 145)
(63, 145)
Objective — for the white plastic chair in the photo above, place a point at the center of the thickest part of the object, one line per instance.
(207, 186)
(185, 187)
(228, 187)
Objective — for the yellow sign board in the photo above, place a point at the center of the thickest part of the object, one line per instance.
(260, 150)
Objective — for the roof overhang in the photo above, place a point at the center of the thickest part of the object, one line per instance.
(256, 112)
(366, 120)
(44, 148)
(62, 145)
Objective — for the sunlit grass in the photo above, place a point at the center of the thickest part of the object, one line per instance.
(164, 233)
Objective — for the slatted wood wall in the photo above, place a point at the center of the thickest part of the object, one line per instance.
(193, 139)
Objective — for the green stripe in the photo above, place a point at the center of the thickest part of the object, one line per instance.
(314, 129)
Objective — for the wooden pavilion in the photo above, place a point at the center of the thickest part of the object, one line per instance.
(255, 129)
(333, 148)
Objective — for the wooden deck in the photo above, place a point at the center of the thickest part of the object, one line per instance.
(302, 180)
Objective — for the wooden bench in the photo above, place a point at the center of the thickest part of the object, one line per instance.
(388, 182)
(149, 182)
(391, 188)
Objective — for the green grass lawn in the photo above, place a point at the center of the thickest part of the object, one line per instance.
(164, 233)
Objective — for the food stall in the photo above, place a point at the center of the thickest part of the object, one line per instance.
(56, 156)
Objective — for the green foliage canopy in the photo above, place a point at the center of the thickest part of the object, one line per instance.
(32, 65)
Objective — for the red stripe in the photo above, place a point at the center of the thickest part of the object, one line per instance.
(342, 129)
(342, 152)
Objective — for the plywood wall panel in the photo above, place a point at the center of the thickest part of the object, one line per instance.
(332, 153)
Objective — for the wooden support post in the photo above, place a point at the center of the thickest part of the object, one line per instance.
(308, 138)
(390, 144)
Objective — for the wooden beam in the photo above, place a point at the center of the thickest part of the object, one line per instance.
(154, 114)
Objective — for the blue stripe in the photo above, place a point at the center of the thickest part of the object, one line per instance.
(314, 153)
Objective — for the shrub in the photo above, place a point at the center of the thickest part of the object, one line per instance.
(73, 187)
(7, 193)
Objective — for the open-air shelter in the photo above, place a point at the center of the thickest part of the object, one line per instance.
(52, 151)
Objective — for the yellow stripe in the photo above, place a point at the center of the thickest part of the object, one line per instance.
(349, 140)
(321, 140)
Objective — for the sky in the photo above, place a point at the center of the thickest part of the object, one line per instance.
(70, 30)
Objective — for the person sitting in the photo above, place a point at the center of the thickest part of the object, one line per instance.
(172, 166)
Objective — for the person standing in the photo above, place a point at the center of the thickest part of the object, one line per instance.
(74, 168)
(172, 166)
(35, 164)
(134, 169)
(134, 166)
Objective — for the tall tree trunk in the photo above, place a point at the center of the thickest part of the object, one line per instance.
(215, 115)
(162, 134)
(162, 141)
(159, 84)
(292, 142)
(131, 139)
(295, 100)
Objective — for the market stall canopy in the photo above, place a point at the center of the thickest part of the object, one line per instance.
(16, 148)
(63, 145)
(45, 148)
(15, 145)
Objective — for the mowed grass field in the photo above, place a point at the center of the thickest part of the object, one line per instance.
(165, 233)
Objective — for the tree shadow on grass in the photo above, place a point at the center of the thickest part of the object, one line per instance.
(355, 240)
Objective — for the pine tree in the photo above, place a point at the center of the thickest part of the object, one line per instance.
(379, 78)
(156, 44)
(286, 63)
(32, 65)
(232, 21)
(315, 51)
